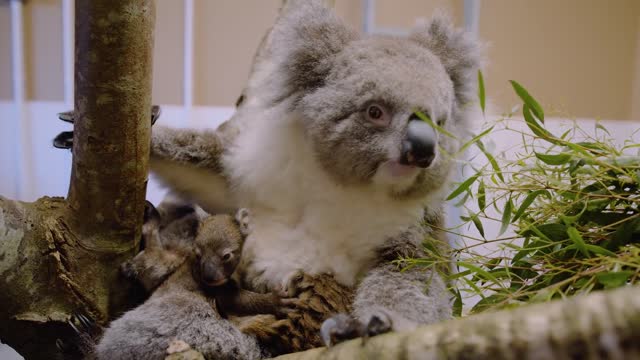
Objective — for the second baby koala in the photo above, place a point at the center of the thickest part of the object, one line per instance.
(190, 305)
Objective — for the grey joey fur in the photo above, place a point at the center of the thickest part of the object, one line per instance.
(321, 151)
(180, 309)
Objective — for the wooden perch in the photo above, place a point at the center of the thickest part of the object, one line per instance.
(602, 325)
(59, 257)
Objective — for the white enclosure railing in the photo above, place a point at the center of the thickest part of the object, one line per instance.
(188, 54)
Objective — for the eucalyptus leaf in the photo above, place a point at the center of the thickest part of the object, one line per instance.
(599, 250)
(574, 235)
(478, 225)
(599, 126)
(481, 94)
(487, 302)
(438, 128)
(614, 279)
(482, 196)
(475, 139)
(457, 304)
(536, 128)
(464, 186)
(549, 232)
(506, 217)
(528, 201)
(492, 160)
(557, 159)
(480, 272)
(528, 100)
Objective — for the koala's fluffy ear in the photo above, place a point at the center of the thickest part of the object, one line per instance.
(458, 50)
(243, 219)
(296, 54)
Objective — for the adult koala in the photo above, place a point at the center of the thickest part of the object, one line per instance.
(339, 173)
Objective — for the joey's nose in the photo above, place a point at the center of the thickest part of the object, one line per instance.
(211, 274)
(419, 147)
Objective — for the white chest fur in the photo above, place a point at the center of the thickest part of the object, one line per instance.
(301, 218)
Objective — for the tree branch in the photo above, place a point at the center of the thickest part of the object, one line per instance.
(603, 325)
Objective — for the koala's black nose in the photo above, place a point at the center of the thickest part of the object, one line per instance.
(211, 274)
(419, 147)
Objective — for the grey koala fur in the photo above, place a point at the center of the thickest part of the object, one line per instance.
(181, 309)
(170, 233)
(330, 184)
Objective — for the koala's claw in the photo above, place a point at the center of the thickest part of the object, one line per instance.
(379, 324)
(83, 325)
(294, 284)
(344, 327)
(128, 270)
(64, 140)
(339, 328)
(61, 345)
(85, 321)
(289, 304)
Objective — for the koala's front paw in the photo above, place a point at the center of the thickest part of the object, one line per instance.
(243, 218)
(339, 328)
(296, 283)
(284, 305)
(291, 286)
(344, 327)
(379, 323)
(83, 342)
(128, 270)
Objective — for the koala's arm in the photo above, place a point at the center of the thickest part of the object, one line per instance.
(237, 301)
(188, 146)
(409, 298)
(190, 162)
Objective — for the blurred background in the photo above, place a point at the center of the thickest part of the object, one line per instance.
(580, 58)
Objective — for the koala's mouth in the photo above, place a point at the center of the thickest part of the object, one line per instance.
(214, 283)
(398, 170)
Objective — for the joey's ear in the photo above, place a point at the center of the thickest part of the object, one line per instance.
(296, 54)
(151, 214)
(458, 50)
(243, 219)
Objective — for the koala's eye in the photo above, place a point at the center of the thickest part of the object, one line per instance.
(227, 257)
(374, 112)
(376, 115)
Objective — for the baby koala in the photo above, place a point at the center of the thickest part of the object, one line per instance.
(217, 254)
(169, 232)
(190, 305)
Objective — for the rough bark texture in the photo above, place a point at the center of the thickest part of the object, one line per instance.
(61, 257)
(114, 42)
(604, 325)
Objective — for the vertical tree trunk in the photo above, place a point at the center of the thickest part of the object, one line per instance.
(114, 46)
(61, 257)
(114, 42)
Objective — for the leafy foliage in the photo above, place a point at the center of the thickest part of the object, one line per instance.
(572, 205)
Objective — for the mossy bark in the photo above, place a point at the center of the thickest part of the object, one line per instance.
(603, 325)
(59, 257)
